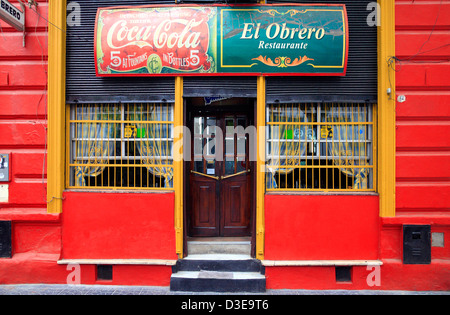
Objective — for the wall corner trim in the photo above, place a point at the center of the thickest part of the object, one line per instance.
(260, 167)
(386, 108)
(178, 165)
(56, 104)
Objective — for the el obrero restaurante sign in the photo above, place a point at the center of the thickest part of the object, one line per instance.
(221, 40)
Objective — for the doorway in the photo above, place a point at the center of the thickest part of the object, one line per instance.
(220, 174)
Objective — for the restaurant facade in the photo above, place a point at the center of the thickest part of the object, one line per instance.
(233, 146)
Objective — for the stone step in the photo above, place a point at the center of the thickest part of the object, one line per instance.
(222, 262)
(239, 246)
(218, 281)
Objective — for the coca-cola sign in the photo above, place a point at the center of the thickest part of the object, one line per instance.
(222, 39)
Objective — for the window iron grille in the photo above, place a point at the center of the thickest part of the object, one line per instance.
(320, 147)
(120, 146)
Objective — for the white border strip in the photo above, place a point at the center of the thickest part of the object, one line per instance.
(156, 262)
(319, 263)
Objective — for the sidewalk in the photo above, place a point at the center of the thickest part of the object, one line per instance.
(62, 289)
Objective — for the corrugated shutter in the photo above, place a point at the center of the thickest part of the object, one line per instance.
(360, 82)
(228, 86)
(359, 85)
(220, 86)
(83, 86)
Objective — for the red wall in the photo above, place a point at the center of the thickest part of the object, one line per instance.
(422, 163)
(118, 226)
(297, 227)
(423, 120)
(423, 141)
(321, 227)
(36, 235)
(422, 173)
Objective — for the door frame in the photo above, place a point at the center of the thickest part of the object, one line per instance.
(188, 109)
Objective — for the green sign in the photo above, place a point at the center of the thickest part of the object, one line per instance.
(222, 39)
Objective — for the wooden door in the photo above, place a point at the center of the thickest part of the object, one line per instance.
(220, 179)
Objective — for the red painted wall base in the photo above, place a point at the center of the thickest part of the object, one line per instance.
(126, 275)
(118, 225)
(31, 267)
(43, 268)
(393, 275)
(321, 227)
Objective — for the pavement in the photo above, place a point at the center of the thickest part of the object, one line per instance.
(63, 289)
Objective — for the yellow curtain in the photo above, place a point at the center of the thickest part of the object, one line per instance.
(93, 146)
(155, 143)
(348, 147)
(287, 142)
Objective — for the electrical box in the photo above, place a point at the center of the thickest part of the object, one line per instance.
(5, 239)
(417, 244)
(4, 167)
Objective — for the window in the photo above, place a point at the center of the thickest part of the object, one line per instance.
(320, 147)
(120, 146)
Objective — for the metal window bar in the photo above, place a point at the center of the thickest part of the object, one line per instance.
(120, 146)
(320, 147)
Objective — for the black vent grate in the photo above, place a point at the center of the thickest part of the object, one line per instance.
(5, 239)
(104, 272)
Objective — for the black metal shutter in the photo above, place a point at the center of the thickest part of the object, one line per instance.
(232, 86)
(360, 82)
(83, 86)
(359, 85)
(219, 86)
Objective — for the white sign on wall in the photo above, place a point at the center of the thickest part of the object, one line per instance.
(11, 15)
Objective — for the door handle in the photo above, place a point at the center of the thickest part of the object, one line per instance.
(209, 176)
(232, 175)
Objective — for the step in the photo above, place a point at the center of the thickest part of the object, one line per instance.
(211, 262)
(218, 281)
(237, 246)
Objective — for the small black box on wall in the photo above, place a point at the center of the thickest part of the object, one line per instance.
(417, 244)
(5, 239)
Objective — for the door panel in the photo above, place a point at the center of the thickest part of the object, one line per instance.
(236, 206)
(204, 206)
(220, 179)
(204, 212)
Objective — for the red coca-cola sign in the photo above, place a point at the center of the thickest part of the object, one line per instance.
(149, 41)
